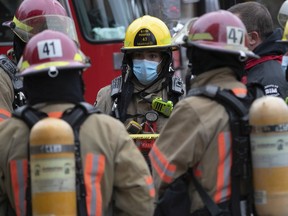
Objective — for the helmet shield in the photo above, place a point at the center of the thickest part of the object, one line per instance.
(27, 28)
(178, 37)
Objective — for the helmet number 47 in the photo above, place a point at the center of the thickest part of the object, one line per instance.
(235, 36)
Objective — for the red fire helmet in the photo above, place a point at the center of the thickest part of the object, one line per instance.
(51, 51)
(32, 17)
(219, 31)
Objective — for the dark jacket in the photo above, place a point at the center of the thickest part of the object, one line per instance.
(267, 70)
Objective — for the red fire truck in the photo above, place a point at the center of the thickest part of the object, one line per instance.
(101, 26)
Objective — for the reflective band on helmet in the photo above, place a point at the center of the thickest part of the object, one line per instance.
(78, 57)
(49, 64)
(21, 25)
(200, 36)
(24, 65)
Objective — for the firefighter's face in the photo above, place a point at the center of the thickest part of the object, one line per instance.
(148, 55)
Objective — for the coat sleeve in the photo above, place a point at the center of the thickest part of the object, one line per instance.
(134, 189)
(103, 100)
(180, 145)
(14, 139)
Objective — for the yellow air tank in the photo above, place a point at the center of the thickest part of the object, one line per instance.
(268, 117)
(52, 168)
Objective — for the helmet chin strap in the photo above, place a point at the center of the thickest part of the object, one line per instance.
(18, 47)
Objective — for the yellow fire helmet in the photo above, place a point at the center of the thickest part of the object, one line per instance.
(147, 32)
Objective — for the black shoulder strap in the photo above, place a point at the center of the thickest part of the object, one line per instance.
(224, 97)
(29, 115)
(77, 115)
(209, 203)
(176, 89)
(124, 100)
(239, 125)
(74, 116)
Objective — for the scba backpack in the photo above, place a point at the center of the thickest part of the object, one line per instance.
(74, 116)
(176, 201)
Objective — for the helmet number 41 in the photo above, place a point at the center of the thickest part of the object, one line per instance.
(49, 49)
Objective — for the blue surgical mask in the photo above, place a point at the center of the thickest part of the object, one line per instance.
(145, 71)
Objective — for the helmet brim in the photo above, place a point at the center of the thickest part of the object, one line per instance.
(44, 67)
(135, 49)
(282, 41)
(224, 48)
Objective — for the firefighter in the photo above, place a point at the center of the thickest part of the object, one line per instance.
(262, 40)
(115, 174)
(197, 134)
(144, 96)
(31, 17)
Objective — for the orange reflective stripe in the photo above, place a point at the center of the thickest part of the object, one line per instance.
(93, 172)
(159, 162)
(55, 114)
(240, 92)
(149, 182)
(197, 171)
(223, 189)
(18, 169)
(4, 114)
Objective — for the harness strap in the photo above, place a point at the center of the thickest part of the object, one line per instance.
(29, 115)
(238, 120)
(209, 203)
